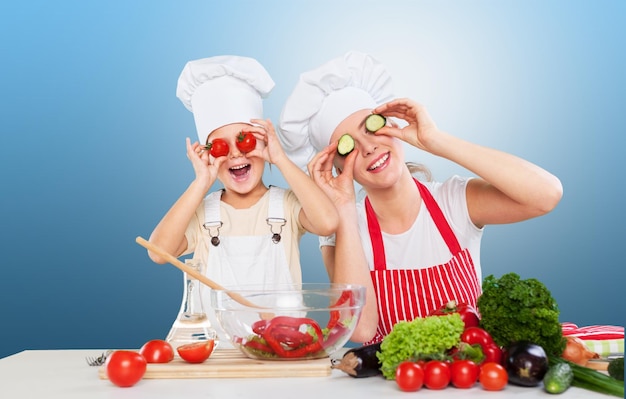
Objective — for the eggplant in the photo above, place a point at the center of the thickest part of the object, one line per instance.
(526, 363)
(360, 362)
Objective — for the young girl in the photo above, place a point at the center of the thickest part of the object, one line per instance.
(414, 244)
(245, 233)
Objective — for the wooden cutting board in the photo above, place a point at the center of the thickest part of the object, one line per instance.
(231, 363)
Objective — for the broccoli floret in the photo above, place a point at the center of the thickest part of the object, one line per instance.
(513, 309)
(616, 368)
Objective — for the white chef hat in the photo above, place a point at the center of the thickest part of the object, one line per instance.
(325, 96)
(222, 90)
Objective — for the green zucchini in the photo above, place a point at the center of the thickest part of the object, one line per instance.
(374, 122)
(590, 379)
(558, 378)
(346, 145)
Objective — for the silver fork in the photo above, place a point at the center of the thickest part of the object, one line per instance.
(98, 361)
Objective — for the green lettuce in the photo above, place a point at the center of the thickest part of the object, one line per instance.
(423, 338)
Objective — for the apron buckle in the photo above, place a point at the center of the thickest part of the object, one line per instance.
(279, 222)
(215, 239)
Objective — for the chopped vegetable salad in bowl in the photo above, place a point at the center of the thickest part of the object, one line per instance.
(289, 322)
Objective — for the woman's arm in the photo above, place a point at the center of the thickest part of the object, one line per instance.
(509, 188)
(345, 263)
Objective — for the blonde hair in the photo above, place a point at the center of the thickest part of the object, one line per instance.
(418, 168)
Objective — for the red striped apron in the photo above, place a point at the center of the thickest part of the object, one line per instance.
(405, 294)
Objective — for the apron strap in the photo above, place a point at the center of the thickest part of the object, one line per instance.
(376, 237)
(212, 216)
(276, 213)
(440, 220)
(380, 262)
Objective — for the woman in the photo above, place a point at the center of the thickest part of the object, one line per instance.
(415, 245)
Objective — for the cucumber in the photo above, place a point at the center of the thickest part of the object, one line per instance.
(374, 122)
(346, 145)
(558, 378)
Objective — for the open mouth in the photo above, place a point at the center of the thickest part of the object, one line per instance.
(240, 171)
(380, 162)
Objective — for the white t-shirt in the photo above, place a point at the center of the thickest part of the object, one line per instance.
(248, 222)
(422, 245)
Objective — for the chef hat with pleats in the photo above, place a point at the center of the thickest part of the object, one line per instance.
(325, 96)
(222, 90)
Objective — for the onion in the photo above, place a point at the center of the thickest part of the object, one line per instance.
(577, 352)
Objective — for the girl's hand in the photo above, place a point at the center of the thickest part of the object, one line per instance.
(204, 165)
(340, 188)
(270, 149)
(420, 131)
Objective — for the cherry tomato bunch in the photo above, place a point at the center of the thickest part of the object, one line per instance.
(439, 374)
(477, 360)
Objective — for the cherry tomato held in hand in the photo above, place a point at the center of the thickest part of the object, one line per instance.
(493, 376)
(125, 368)
(409, 376)
(218, 148)
(196, 352)
(436, 374)
(246, 142)
(157, 351)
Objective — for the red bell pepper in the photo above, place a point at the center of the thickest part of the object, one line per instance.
(468, 313)
(288, 339)
(335, 315)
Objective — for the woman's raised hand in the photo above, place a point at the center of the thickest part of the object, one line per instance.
(340, 188)
(420, 129)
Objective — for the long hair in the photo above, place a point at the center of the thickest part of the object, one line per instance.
(419, 169)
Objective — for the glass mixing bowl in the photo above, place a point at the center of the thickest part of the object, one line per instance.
(289, 322)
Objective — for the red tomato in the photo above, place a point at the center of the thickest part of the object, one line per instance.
(125, 368)
(493, 353)
(436, 374)
(246, 142)
(196, 352)
(409, 376)
(157, 351)
(493, 376)
(476, 335)
(218, 147)
(468, 313)
(464, 373)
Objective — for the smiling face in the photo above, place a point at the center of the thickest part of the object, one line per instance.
(380, 161)
(238, 172)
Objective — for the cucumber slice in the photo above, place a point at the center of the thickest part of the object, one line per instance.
(346, 144)
(375, 122)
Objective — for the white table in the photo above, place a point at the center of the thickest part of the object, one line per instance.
(57, 374)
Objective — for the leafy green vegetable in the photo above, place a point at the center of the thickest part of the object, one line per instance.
(423, 338)
(616, 368)
(513, 309)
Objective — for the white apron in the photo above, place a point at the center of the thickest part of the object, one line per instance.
(404, 294)
(241, 260)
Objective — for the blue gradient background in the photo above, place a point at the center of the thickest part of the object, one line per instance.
(92, 149)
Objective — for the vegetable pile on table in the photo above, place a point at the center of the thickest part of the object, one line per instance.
(517, 339)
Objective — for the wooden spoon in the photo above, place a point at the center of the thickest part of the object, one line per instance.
(202, 278)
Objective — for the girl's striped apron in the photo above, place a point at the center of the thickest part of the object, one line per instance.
(405, 294)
